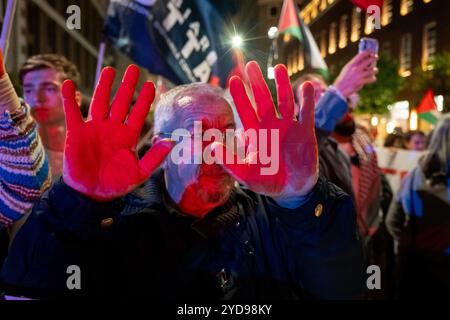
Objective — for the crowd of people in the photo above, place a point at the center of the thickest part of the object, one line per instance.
(145, 226)
(411, 140)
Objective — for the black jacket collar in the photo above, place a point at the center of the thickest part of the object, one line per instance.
(152, 195)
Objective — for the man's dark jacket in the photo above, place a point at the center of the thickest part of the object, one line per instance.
(140, 247)
(334, 164)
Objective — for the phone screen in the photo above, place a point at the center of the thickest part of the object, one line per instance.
(368, 44)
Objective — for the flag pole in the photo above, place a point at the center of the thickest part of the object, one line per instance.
(101, 56)
(7, 26)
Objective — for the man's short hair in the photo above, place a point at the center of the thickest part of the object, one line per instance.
(173, 101)
(57, 62)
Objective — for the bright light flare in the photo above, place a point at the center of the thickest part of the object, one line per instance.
(413, 120)
(271, 73)
(237, 41)
(390, 126)
(272, 33)
(374, 121)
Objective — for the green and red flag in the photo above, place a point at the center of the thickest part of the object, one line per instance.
(290, 20)
(292, 24)
(427, 109)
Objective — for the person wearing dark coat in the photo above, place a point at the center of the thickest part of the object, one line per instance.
(419, 221)
(356, 173)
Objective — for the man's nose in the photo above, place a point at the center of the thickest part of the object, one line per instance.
(37, 97)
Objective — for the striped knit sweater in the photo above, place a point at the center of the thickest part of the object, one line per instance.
(24, 169)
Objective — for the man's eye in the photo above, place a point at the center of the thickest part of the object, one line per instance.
(52, 90)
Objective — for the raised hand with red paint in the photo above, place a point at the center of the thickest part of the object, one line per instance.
(297, 146)
(100, 159)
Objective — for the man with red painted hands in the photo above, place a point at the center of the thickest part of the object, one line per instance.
(187, 230)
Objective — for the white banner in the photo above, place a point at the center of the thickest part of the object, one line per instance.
(396, 163)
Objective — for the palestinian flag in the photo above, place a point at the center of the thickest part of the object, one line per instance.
(291, 23)
(427, 109)
(290, 20)
(364, 4)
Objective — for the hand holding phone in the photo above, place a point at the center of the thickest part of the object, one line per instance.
(359, 71)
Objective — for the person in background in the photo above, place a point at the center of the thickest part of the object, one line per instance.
(396, 139)
(41, 77)
(24, 172)
(332, 104)
(415, 140)
(347, 156)
(419, 221)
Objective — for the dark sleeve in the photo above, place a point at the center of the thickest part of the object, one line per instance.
(63, 230)
(395, 219)
(322, 137)
(322, 247)
(400, 206)
(386, 194)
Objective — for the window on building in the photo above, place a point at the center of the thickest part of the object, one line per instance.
(314, 8)
(323, 5)
(295, 61)
(323, 43)
(405, 55)
(306, 16)
(386, 14)
(273, 11)
(286, 37)
(343, 32)
(356, 24)
(289, 64)
(369, 25)
(332, 41)
(428, 44)
(301, 60)
(406, 6)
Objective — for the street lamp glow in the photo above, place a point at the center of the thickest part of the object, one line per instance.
(271, 73)
(440, 103)
(413, 120)
(272, 33)
(374, 121)
(237, 41)
(390, 126)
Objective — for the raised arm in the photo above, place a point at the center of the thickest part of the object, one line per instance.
(24, 172)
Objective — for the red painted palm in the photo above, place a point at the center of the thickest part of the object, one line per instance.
(100, 157)
(297, 146)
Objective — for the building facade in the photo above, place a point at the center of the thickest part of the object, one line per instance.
(410, 31)
(39, 26)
